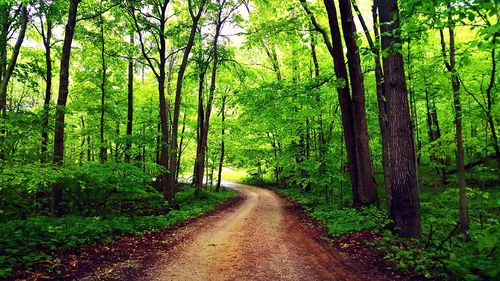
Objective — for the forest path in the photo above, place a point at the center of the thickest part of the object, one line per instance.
(260, 238)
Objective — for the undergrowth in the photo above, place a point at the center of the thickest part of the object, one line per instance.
(437, 255)
(27, 242)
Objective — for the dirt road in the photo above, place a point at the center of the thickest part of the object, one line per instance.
(258, 239)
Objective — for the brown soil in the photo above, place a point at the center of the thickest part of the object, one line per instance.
(260, 238)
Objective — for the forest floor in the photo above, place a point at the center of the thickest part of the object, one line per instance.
(261, 236)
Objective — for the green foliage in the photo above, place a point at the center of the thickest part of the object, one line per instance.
(28, 241)
(338, 220)
(430, 257)
(91, 189)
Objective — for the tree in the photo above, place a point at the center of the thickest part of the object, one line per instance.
(220, 19)
(451, 67)
(356, 136)
(130, 102)
(381, 97)
(158, 67)
(61, 102)
(6, 70)
(48, 17)
(405, 203)
(195, 17)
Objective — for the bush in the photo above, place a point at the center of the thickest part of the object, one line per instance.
(26, 242)
(88, 190)
(477, 259)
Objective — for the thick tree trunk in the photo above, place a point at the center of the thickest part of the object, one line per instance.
(130, 103)
(367, 190)
(381, 97)
(346, 103)
(61, 103)
(405, 203)
(344, 99)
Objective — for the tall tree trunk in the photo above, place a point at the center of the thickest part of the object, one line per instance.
(222, 145)
(12, 63)
(345, 100)
(103, 150)
(490, 103)
(200, 127)
(208, 110)
(455, 84)
(178, 97)
(61, 103)
(381, 97)
(367, 189)
(346, 104)
(130, 102)
(7, 70)
(168, 192)
(405, 203)
(48, 88)
(382, 107)
(181, 146)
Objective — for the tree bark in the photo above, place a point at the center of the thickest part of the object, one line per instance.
(201, 118)
(222, 145)
(381, 97)
(457, 106)
(178, 97)
(46, 37)
(490, 103)
(7, 74)
(345, 100)
(103, 150)
(12, 63)
(61, 103)
(208, 110)
(405, 203)
(367, 189)
(130, 103)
